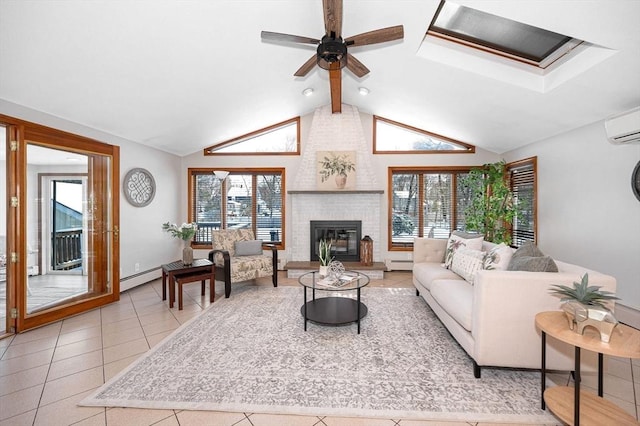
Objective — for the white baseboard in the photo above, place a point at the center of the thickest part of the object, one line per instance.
(398, 264)
(140, 278)
(627, 315)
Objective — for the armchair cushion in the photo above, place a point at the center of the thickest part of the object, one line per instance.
(248, 248)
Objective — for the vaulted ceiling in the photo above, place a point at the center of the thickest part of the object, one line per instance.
(183, 75)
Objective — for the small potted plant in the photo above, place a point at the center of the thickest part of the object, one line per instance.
(336, 164)
(185, 232)
(324, 255)
(585, 306)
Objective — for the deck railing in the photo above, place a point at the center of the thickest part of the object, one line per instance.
(67, 249)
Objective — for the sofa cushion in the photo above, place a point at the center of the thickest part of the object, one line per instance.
(466, 262)
(456, 298)
(455, 242)
(426, 272)
(248, 248)
(533, 264)
(498, 257)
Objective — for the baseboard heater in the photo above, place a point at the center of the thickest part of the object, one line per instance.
(140, 278)
(398, 265)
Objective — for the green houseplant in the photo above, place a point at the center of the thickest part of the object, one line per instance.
(324, 255)
(338, 165)
(583, 293)
(585, 306)
(491, 204)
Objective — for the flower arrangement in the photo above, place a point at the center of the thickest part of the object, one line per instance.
(185, 232)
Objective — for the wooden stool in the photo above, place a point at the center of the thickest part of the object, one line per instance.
(196, 276)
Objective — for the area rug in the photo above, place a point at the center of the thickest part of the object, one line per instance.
(250, 353)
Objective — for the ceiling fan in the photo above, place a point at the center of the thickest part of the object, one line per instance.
(332, 54)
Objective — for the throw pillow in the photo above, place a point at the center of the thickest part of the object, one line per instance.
(466, 235)
(528, 249)
(533, 264)
(467, 262)
(248, 248)
(455, 242)
(498, 258)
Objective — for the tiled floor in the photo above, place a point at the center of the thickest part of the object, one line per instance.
(45, 372)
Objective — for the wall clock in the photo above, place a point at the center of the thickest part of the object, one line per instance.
(635, 181)
(139, 187)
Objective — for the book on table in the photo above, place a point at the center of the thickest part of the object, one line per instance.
(340, 281)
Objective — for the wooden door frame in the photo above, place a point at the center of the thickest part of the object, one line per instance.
(19, 132)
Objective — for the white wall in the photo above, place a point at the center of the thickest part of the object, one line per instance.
(142, 240)
(587, 214)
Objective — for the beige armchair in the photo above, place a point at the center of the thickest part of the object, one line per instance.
(238, 257)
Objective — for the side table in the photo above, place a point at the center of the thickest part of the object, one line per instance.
(593, 410)
(174, 269)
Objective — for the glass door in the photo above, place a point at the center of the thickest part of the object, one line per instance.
(5, 323)
(66, 222)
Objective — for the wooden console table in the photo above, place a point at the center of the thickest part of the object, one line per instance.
(585, 407)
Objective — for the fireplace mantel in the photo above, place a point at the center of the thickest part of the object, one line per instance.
(352, 191)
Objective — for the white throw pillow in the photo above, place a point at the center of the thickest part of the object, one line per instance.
(466, 262)
(455, 242)
(498, 258)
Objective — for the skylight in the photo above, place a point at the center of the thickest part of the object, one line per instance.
(497, 35)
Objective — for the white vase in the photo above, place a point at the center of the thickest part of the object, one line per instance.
(187, 253)
(324, 270)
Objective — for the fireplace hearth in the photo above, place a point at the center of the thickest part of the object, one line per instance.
(344, 236)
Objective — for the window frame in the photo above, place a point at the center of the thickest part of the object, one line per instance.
(455, 171)
(254, 172)
(532, 164)
(212, 150)
(467, 148)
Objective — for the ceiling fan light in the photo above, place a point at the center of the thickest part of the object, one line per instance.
(331, 51)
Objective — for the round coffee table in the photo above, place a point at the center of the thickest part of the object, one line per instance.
(333, 310)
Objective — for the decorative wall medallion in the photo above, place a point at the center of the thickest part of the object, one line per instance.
(139, 187)
(635, 181)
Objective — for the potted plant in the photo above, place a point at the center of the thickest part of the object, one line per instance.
(491, 204)
(324, 255)
(585, 306)
(338, 165)
(185, 232)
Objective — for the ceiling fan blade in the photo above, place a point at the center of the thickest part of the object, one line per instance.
(271, 36)
(356, 67)
(332, 16)
(306, 67)
(376, 36)
(335, 81)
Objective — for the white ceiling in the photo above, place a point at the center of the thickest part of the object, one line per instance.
(183, 75)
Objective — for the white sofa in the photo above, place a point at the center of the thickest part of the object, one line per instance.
(493, 320)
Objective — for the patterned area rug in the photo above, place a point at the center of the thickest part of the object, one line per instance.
(249, 353)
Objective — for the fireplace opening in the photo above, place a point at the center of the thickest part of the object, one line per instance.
(344, 236)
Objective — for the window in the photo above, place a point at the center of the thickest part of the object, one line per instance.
(390, 137)
(281, 138)
(426, 202)
(501, 36)
(431, 202)
(254, 198)
(522, 178)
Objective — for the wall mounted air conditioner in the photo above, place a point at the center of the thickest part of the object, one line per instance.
(624, 128)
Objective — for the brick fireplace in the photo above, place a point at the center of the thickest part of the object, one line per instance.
(334, 132)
